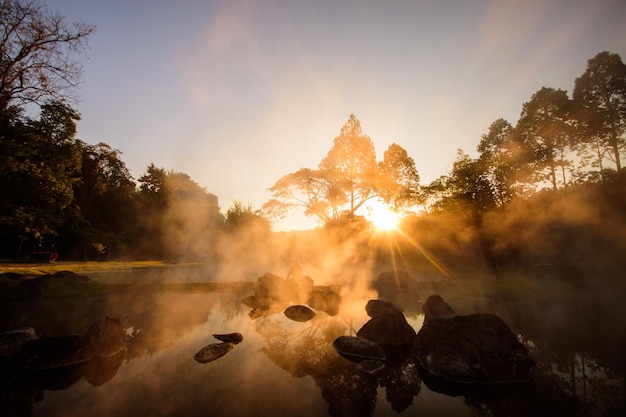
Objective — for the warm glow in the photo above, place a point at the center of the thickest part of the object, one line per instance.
(382, 217)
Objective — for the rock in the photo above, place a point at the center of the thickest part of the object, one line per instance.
(326, 299)
(357, 349)
(389, 328)
(213, 351)
(272, 288)
(100, 370)
(11, 341)
(234, 338)
(106, 337)
(370, 366)
(54, 352)
(472, 349)
(399, 288)
(435, 307)
(69, 275)
(299, 313)
(254, 301)
(375, 308)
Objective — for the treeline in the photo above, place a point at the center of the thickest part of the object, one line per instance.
(58, 190)
(549, 189)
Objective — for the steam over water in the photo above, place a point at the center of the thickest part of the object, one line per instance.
(283, 367)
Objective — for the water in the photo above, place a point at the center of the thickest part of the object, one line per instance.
(289, 368)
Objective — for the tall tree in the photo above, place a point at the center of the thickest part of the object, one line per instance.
(39, 166)
(36, 47)
(501, 159)
(545, 131)
(351, 165)
(600, 98)
(465, 190)
(398, 178)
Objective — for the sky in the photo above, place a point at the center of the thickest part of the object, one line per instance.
(237, 94)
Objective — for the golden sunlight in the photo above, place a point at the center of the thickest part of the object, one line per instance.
(382, 217)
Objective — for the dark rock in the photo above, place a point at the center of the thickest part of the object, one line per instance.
(472, 349)
(254, 301)
(13, 276)
(275, 289)
(390, 328)
(370, 366)
(357, 349)
(435, 307)
(69, 275)
(106, 337)
(399, 288)
(34, 287)
(299, 313)
(326, 299)
(100, 370)
(11, 341)
(375, 308)
(213, 351)
(54, 352)
(234, 338)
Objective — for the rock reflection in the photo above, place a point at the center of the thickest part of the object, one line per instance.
(348, 390)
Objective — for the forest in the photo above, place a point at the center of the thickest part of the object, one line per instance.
(546, 189)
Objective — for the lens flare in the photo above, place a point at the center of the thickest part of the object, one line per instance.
(382, 217)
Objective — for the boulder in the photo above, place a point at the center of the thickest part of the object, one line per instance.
(357, 349)
(326, 299)
(472, 349)
(11, 341)
(299, 313)
(399, 288)
(106, 337)
(389, 328)
(376, 308)
(435, 307)
(54, 352)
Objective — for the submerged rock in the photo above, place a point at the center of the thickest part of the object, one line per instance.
(472, 349)
(234, 338)
(213, 351)
(357, 349)
(299, 313)
(370, 366)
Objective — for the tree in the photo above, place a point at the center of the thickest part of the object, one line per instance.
(398, 178)
(245, 218)
(37, 47)
(351, 166)
(501, 161)
(39, 167)
(464, 190)
(311, 190)
(544, 129)
(600, 98)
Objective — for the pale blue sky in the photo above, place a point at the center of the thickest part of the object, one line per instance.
(239, 93)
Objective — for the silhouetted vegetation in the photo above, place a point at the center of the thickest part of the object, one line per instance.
(548, 189)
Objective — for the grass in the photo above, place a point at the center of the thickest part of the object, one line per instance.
(83, 267)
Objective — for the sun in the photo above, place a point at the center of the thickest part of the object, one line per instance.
(382, 217)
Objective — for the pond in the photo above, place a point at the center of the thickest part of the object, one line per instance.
(284, 367)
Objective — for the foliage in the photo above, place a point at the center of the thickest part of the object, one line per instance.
(346, 179)
(37, 47)
(600, 98)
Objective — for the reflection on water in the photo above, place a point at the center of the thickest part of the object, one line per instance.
(284, 367)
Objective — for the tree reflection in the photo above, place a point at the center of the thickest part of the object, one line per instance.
(348, 390)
